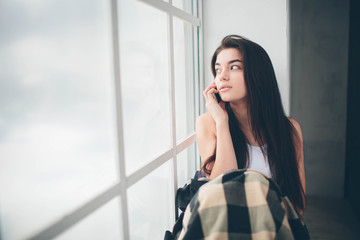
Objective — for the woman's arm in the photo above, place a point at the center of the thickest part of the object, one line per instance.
(206, 137)
(300, 155)
(225, 153)
(212, 137)
(212, 131)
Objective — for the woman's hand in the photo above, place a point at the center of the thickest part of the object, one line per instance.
(217, 110)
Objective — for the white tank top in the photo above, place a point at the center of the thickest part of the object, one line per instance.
(257, 160)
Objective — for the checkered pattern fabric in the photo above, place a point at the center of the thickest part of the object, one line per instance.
(241, 204)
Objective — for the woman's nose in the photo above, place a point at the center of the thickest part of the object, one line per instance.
(224, 75)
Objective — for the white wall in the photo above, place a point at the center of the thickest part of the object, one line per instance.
(262, 21)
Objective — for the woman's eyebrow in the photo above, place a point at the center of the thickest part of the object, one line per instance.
(235, 60)
(230, 62)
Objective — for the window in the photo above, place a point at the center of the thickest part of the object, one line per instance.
(98, 105)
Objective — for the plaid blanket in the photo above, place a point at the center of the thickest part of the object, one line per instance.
(240, 204)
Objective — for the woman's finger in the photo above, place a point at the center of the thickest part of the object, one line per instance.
(211, 94)
(212, 85)
(205, 92)
(208, 89)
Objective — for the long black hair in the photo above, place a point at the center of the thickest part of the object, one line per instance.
(269, 125)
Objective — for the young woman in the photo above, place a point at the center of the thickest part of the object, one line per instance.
(247, 127)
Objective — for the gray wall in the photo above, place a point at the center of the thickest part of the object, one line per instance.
(318, 63)
(352, 180)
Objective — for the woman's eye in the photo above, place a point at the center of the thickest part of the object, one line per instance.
(235, 67)
(217, 70)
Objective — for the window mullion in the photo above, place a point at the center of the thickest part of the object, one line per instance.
(199, 70)
(201, 57)
(172, 99)
(119, 121)
(167, 7)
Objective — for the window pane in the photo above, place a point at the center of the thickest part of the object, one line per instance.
(151, 205)
(104, 223)
(186, 165)
(184, 79)
(145, 82)
(185, 5)
(56, 95)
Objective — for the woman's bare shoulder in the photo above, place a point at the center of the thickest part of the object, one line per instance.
(206, 118)
(296, 126)
(293, 121)
(205, 124)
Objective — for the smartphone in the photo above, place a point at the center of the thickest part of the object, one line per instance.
(218, 98)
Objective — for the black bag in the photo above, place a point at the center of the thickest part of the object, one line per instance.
(182, 199)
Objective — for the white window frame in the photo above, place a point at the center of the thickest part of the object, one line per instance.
(120, 188)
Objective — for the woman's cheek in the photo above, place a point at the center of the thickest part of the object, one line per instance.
(217, 82)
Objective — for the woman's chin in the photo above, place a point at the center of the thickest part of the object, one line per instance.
(226, 99)
(233, 100)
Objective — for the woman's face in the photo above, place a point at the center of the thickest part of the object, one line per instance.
(229, 79)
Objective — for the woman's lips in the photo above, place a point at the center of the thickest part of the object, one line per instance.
(224, 89)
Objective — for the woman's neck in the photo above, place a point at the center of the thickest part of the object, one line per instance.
(241, 113)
